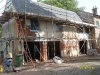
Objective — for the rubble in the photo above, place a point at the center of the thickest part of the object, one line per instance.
(58, 60)
(92, 52)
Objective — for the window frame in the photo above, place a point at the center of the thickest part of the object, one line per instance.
(35, 26)
(59, 27)
(97, 24)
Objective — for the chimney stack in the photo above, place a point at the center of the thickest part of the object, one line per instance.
(94, 10)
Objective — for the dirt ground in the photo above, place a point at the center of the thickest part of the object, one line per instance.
(78, 66)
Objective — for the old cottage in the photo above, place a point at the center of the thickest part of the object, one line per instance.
(42, 31)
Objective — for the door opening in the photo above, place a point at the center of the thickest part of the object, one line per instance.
(83, 47)
(34, 48)
(53, 49)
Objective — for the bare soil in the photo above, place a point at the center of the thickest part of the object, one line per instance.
(86, 65)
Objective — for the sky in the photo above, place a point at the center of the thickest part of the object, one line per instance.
(87, 3)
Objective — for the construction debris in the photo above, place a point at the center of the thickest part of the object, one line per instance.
(17, 69)
(37, 61)
(57, 60)
(92, 52)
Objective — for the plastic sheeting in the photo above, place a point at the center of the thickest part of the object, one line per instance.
(58, 60)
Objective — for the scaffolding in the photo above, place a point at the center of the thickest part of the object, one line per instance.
(71, 38)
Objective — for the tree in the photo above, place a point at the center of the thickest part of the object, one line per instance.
(65, 4)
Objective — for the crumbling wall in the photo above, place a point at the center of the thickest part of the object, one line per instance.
(69, 48)
(71, 38)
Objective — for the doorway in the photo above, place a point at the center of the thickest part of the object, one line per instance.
(34, 48)
(83, 47)
(53, 49)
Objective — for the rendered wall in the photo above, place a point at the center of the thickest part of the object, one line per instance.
(9, 30)
(97, 35)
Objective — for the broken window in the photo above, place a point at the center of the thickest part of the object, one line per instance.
(34, 24)
(58, 27)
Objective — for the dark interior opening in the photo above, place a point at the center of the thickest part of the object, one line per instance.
(34, 48)
(53, 49)
(83, 47)
(57, 48)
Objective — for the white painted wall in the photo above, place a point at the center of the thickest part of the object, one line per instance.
(97, 32)
(48, 29)
(9, 29)
(96, 19)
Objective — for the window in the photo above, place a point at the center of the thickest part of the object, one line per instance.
(93, 45)
(34, 24)
(97, 23)
(87, 30)
(58, 27)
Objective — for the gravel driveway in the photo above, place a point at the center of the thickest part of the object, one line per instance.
(75, 67)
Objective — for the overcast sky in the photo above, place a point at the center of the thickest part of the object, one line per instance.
(87, 3)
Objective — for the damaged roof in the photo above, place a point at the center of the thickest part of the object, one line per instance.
(44, 10)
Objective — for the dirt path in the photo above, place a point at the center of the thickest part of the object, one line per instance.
(78, 67)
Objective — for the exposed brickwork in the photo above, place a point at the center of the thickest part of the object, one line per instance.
(27, 31)
(44, 52)
(70, 48)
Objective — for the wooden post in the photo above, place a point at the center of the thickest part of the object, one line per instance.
(15, 51)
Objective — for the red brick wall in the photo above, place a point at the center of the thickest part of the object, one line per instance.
(44, 51)
(27, 31)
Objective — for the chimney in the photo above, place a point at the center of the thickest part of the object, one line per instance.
(94, 10)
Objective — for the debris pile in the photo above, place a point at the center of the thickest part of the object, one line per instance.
(92, 52)
(58, 60)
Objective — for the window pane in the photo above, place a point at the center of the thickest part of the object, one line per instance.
(58, 27)
(34, 24)
(87, 30)
(97, 23)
